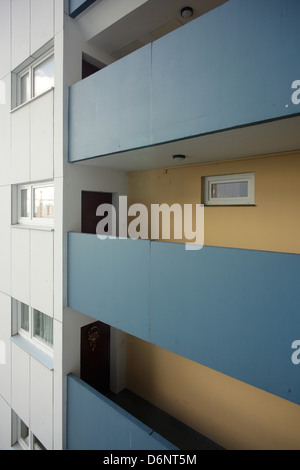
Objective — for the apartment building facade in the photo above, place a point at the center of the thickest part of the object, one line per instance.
(154, 343)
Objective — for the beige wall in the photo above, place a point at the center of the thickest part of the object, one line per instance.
(272, 224)
(233, 414)
(230, 412)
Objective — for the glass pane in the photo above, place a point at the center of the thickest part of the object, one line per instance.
(229, 190)
(25, 88)
(24, 434)
(37, 445)
(44, 202)
(25, 203)
(24, 431)
(43, 327)
(25, 317)
(43, 76)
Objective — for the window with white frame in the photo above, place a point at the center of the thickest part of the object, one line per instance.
(35, 326)
(235, 189)
(24, 436)
(35, 204)
(35, 79)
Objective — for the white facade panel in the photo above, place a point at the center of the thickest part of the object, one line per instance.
(5, 239)
(57, 386)
(5, 428)
(20, 383)
(20, 145)
(20, 264)
(5, 129)
(58, 15)
(5, 333)
(42, 23)
(5, 38)
(41, 137)
(58, 251)
(20, 11)
(41, 271)
(41, 400)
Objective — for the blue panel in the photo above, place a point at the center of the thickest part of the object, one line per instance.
(96, 423)
(235, 311)
(110, 110)
(109, 280)
(228, 68)
(233, 66)
(78, 6)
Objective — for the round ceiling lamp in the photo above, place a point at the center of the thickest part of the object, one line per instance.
(186, 12)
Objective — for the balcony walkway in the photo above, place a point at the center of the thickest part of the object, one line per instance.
(168, 427)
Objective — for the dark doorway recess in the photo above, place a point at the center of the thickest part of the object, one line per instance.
(90, 200)
(95, 356)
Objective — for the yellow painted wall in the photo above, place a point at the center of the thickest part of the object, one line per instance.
(273, 224)
(235, 415)
(231, 413)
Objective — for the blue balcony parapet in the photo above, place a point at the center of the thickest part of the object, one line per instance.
(232, 67)
(96, 423)
(233, 310)
(78, 6)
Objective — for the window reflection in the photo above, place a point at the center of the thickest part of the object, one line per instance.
(44, 202)
(43, 76)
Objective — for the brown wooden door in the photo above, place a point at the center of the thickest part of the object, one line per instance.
(95, 356)
(90, 200)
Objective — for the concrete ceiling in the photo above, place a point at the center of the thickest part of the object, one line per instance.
(262, 139)
(147, 22)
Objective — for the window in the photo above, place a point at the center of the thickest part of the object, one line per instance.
(35, 326)
(23, 435)
(229, 189)
(35, 79)
(36, 204)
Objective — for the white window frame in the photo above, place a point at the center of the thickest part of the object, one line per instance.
(29, 335)
(232, 201)
(17, 426)
(38, 221)
(29, 69)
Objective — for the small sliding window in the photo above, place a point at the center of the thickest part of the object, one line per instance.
(36, 204)
(235, 189)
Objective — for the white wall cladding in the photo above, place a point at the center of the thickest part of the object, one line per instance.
(20, 264)
(20, 21)
(5, 128)
(32, 140)
(5, 428)
(32, 27)
(20, 382)
(20, 134)
(32, 394)
(32, 268)
(5, 38)
(5, 241)
(41, 271)
(5, 333)
(30, 135)
(41, 137)
(41, 399)
(42, 23)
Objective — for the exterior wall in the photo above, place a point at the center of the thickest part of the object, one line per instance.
(31, 150)
(233, 414)
(230, 412)
(270, 225)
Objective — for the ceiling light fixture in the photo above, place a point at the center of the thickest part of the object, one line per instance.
(178, 157)
(186, 12)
